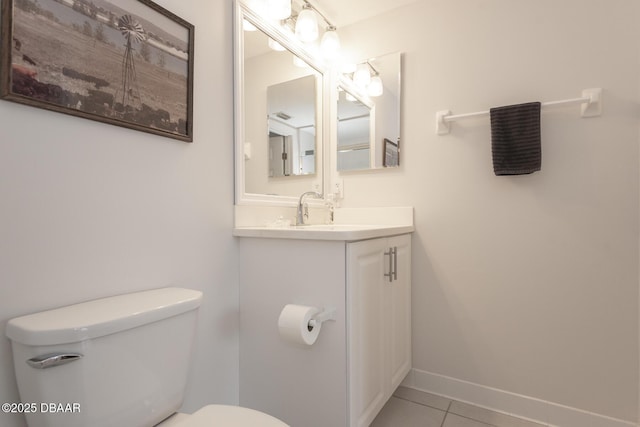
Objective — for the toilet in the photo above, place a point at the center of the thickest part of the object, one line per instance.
(117, 361)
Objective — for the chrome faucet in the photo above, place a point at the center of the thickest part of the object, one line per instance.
(303, 209)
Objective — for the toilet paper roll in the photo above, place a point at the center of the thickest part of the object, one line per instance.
(293, 324)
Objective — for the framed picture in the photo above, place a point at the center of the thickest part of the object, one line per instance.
(391, 154)
(124, 62)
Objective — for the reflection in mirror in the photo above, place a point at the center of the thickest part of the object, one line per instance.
(292, 115)
(381, 148)
(281, 115)
(354, 132)
(391, 154)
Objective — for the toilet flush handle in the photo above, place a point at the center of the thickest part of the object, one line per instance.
(53, 359)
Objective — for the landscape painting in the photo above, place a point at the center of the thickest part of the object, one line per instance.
(124, 62)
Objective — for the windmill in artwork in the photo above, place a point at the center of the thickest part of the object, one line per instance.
(133, 33)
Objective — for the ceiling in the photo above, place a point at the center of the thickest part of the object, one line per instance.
(345, 12)
(339, 12)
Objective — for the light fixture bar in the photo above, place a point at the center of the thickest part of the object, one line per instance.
(375, 72)
(319, 13)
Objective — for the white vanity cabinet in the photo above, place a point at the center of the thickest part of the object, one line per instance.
(378, 323)
(345, 378)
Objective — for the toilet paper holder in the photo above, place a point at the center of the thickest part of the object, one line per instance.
(328, 313)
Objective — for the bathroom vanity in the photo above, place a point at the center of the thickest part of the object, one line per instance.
(358, 360)
(362, 271)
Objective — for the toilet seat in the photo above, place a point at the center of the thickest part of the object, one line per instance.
(230, 416)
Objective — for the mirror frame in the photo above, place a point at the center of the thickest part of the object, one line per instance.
(288, 41)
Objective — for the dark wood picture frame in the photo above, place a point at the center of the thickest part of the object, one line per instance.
(391, 156)
(129, 64)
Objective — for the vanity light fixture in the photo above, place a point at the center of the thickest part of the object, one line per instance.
(307, 24)
(304, 25)
(362, 76)
(306, 30)
(279, 9)
(368, 79)
(330, 43)
(375, 87)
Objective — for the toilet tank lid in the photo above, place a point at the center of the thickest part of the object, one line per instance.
(92, 319)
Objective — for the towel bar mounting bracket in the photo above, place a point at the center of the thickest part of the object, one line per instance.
(443, 127)
(593, 107)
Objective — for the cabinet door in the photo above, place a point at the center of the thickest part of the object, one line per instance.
(366, 308)
(399, 316)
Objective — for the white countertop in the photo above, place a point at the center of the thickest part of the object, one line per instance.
(346, 232)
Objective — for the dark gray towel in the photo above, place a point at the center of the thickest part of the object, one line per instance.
(515, 139)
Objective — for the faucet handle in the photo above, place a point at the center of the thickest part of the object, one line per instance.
(303, 208)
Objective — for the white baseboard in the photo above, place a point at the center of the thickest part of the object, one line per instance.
(546, 413)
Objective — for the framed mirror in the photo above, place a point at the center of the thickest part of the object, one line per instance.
(370, 103)
(279, 109)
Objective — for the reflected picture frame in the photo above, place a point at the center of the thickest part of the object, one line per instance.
(128, 63)
(391, 153)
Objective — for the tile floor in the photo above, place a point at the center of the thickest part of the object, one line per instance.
(412, 408)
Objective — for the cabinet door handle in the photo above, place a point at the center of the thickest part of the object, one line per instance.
(395, 263)
(390, 274)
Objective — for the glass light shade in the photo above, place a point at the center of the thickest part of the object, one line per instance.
(248, 26)
(307, 25)
(275, 45)
(375, 87)
(362, 76)
(279, 9)
(330, 43)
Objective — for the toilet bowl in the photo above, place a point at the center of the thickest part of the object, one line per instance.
(109, 359)
(223, 415)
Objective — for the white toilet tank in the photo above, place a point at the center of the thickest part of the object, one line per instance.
(118, 361)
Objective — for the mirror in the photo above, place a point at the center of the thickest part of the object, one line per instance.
(368, 135)
(278, 113)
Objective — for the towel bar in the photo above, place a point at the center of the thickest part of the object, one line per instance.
(591, 102)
